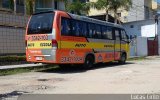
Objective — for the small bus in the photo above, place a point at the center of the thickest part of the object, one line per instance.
(58, 37)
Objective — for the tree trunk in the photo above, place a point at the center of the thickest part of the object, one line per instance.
(107, 17)
(15, 6)
(25, 7)
(115, 16)
(33, 5)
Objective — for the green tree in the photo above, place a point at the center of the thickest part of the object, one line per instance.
(111, 5)
(29, 6)
(78, 7)
(101, 5)
(117, 4)
(11, 4)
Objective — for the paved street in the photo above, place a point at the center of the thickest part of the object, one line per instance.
(141, 76)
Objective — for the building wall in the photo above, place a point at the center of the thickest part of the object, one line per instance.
(141, 10)
(44, 5)
(145, 28)
(142, 46)
(12, 33)
(94, 11)
(159, 45)
(0, 3)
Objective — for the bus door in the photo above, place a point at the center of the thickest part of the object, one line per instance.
(117, 47)
(124, 41)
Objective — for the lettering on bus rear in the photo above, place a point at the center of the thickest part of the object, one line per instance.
(45, 44)
(80, 45)
(30, 45)
(38, 37)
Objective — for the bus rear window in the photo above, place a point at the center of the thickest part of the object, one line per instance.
(41, 23)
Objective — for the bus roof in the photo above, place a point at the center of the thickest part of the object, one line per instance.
(85, 18)
(92, 20)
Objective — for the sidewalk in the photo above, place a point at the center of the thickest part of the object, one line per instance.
(19, 66)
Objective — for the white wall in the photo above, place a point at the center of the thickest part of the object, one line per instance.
(144, 28)
(142, 46)
(159, 45)
(139, 47)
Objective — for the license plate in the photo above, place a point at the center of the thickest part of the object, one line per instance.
(38, 58)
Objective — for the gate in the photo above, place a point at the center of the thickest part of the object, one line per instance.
(152, 46)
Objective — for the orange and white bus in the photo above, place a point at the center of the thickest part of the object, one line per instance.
(62, 38)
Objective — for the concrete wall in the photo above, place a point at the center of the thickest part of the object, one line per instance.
(139, 47)
(142, 46)
(12, 33)
(145, 28)
(137, 11)
(13, 20)
(12, 40)
(159, 45)
(44, 5)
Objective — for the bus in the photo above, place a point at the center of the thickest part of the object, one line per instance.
(58, 37)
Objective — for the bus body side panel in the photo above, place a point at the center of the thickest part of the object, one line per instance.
(103, 49)
(73, 50)
(125, 48)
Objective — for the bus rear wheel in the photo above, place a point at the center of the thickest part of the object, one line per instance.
(122, 59)
(89, 62)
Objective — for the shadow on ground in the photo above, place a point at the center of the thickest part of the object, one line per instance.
(78, 69)
(11, 95)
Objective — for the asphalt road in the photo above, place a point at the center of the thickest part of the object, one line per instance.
(134, 77)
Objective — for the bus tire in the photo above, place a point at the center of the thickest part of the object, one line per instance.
(89, 62)
(123, 58)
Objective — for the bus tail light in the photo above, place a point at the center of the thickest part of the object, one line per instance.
(54, 43)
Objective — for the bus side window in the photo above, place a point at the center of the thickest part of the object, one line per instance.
(107, 32)
(98, 33)
(110, 32)
(84, 31)
(65, 27)
(117, 34)
(91, 29)
(124, 36)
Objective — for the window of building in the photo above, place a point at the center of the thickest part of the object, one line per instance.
(20, 6)
(55, 5)
(132, 26)
(5, 3)
(20, 2)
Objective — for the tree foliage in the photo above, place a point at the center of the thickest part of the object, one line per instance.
(11, 4)
(111, 5)
(78, 7)
(29, 6)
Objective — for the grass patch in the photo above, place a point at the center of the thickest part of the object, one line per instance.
(137, 58)
(12, 58)
(25, 70)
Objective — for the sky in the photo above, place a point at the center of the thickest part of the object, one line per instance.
(158, 1)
